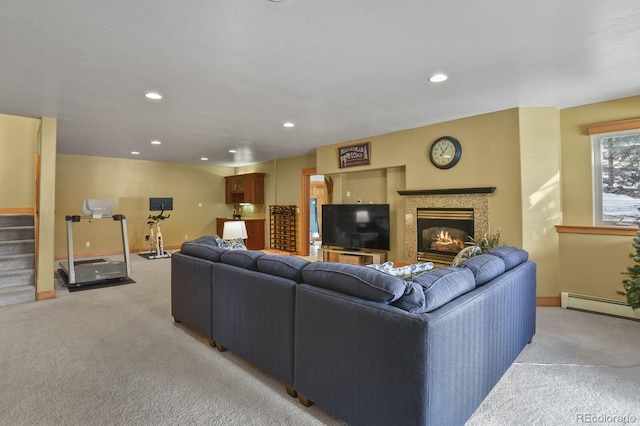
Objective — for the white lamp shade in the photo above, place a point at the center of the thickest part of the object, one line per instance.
(234, 229)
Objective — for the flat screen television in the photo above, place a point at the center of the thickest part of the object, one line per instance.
(160, 204)
(356, 226)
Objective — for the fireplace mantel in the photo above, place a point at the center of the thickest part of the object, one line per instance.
(480, 190)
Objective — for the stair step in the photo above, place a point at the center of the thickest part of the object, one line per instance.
(16, 220)
(17, 247)
(17, 273)
(17, 294)
(17, 277)
(17, 233)
(17, 261)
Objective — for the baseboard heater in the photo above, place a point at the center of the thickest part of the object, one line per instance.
(598, 304)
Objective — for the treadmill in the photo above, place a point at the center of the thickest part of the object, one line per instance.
(97, 270)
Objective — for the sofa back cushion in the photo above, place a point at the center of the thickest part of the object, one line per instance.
(511, 256)
(484, 267)
(247, 259)
(355, 280)
(430, 290)
(412, 300)
(210, 240)
(204, 249)
(289, 267)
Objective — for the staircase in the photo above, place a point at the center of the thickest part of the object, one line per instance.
(17, 246)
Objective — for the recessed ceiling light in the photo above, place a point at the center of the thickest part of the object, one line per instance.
(204, 158)
(288, 124)
(276, 1)
(233, 151)
(135, 152)
(153, 95)
(438, 78)
(156, 143)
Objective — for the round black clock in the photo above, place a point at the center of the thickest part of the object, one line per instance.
(445, 152)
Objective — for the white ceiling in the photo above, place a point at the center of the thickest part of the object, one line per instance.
(232, 71)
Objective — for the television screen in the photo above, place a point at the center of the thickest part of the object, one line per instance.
(356, 226)
(160, 204)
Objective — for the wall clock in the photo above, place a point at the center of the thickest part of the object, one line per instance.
(445, 152)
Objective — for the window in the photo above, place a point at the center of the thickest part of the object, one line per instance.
(616, 177)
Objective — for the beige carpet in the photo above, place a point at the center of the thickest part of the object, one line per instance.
(114, 356)
(581, 368)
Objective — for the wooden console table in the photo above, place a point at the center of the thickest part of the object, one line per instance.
(255, 231)
(327, 254)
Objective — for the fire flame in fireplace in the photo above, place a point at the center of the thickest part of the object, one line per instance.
(445, 242)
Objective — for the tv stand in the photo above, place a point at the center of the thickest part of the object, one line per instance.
(328, 254)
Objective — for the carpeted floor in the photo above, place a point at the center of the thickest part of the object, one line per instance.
(580, 368)
(60, 275)
(115, 356)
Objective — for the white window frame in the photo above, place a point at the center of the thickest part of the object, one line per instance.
(597, 185)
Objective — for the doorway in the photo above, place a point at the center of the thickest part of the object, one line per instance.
(316, 191)
(318, 196)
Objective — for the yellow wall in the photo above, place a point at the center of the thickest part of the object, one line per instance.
(18, 147)
(283, 186)
(490, 157)
(368, 186)
(590, 264)
(130, 183)
(541, 209)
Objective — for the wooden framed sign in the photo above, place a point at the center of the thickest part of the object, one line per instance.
(354, 155)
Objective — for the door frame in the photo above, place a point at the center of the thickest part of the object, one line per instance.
(305, 225)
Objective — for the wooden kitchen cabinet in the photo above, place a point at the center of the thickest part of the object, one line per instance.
(246, 188)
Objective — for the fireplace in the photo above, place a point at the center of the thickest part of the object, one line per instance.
(443, 232)
(444, 200)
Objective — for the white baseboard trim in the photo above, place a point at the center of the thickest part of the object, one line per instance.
(598, 304)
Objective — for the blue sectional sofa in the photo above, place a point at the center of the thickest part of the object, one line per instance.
(366, 346)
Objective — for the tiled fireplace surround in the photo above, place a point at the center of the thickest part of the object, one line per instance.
(479, 202)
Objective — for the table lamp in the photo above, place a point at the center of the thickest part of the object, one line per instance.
(234, 229)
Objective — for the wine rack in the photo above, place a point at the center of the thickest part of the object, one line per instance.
(283, 228)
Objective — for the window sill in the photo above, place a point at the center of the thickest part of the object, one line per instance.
(598, 230)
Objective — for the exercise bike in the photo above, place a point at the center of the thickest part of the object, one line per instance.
(154, 237)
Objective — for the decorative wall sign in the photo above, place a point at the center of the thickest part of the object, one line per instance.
(354, 155)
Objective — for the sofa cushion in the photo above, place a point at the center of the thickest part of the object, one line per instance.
(511, 256)
(466, 253)
(234, 244)
(355, 280)
(247, 259)
(402, 271)
(485, 267)
(384, 267)
(289, 267)
(209, 240)
(202, 250)
(443, 285)
(412, 300)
